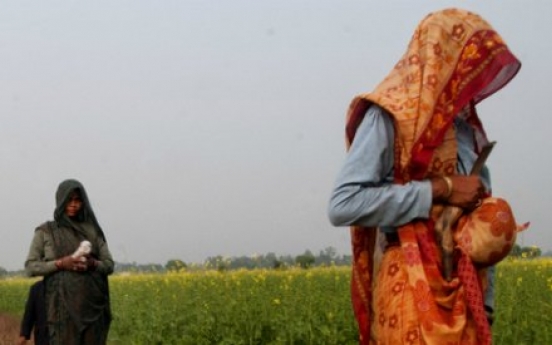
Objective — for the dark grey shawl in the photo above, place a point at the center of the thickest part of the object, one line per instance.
(77, 303)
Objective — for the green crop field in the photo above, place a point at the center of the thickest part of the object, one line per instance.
(293, 306)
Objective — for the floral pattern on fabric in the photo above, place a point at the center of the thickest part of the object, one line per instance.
(488, 233)
(454, 60)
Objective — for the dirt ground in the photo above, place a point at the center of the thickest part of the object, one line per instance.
(9, 329)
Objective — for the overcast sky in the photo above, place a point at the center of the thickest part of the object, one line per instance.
(204, 128)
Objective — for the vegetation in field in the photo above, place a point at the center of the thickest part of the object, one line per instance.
(288, 306)
(523, 302)
(236, 307)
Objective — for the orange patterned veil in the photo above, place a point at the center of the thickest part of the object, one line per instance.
(454, 60)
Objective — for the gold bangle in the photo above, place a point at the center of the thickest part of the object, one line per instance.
(448, 182)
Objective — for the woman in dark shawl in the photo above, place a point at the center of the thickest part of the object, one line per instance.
(76, 288)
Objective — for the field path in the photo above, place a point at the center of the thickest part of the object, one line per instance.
(9, 329)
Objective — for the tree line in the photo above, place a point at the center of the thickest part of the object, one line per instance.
(308, 259)
(326, 257)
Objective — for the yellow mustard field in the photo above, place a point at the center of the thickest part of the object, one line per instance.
(293, 306)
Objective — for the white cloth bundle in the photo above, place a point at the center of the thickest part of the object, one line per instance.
(84, 248)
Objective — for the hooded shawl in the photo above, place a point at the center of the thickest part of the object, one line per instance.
(80, 298)
(454, 60)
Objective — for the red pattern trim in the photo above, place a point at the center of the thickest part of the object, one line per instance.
(474, 299)
(475, 70)
(363, 240)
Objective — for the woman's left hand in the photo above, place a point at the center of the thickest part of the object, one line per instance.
(91, 263)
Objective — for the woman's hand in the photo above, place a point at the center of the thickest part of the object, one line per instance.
(69, 263)
(91, 263)
(462, 191)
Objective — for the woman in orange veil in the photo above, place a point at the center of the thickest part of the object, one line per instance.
(412, 142)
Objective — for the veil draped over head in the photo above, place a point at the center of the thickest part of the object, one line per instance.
(454, 60)
(86, 215)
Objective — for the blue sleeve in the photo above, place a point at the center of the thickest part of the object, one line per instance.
(364, 193)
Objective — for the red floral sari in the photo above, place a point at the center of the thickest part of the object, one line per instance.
(454, 60)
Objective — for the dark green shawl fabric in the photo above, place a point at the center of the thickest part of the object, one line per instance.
(77, 303)
(86, 215)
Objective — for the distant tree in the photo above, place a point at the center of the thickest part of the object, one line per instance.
(3, 272)
(277, 264)
(175, 265)
(305, 260)
(218, 262)
(328, 256)
(516, 250)
(531, 252)
(287, 260)
(270, 260)
(525, 252)
(347, 260)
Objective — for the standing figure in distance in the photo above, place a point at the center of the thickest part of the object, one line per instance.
(412, 144)
(76, 287)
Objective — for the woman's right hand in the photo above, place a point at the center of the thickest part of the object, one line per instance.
(466, 191)
(69, 263)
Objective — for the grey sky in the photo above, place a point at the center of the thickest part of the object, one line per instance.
(216, 127)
